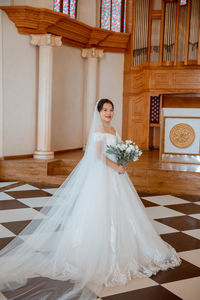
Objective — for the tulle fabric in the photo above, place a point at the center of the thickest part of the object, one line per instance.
(93, 232)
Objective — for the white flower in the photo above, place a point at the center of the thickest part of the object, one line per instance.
(128, 142)
(123, 147)
(132, 147)
(128, 150)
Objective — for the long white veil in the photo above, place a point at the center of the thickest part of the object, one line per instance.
(54, 257)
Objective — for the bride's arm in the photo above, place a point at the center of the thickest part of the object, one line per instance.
(109, 162)
(115, 166)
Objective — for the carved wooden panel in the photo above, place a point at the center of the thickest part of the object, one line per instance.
(137, 81)
(175, 79)
(186, 79)
(137, 122)
(137, 107)
(160, 79)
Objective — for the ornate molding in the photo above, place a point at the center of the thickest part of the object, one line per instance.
(31, 20)
(92, 53)
(45, 40)
(182, 135)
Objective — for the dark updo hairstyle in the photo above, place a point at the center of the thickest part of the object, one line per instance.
(102, 102)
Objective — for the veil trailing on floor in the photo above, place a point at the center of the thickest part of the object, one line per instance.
(54, 257)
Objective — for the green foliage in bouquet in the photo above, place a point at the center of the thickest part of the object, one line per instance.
(124, 152)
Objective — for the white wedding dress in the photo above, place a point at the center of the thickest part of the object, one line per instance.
(93, 232)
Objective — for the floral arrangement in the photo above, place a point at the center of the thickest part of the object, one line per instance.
(125, 152)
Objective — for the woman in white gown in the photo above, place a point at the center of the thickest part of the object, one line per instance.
(93, 232)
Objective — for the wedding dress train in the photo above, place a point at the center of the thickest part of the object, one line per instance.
(93, 232)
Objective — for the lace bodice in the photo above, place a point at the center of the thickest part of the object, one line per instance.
(108, 139)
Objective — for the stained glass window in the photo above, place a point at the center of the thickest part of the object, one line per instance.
(113, 15)
(66, 6)
(183, 2)
(57, 5)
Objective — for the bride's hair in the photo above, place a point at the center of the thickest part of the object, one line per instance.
(101, 103)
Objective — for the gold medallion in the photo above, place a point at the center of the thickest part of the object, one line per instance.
(182, 135)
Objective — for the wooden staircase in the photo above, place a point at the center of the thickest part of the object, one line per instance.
(35, 171)
(60, 167)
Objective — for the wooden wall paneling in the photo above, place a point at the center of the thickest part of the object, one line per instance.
(149, 32)
(125, 107)
(156, 137)
(150, 137)
(187, 33)
(162, 130)
(133, 30)
(176, 34)
(128, 63)
(160, 79)
(137, 83)
(186, 79)
(161, 105)
(171, 80)
(138, 127)
(162, 31)
(172, 101)
(128, 59)
(136, 120)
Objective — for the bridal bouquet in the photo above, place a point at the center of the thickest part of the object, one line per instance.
(125, 152)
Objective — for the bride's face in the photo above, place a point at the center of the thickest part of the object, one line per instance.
(107, 113)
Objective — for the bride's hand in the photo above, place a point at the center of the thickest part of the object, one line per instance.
(121, 169)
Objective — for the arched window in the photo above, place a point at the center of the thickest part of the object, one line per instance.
(113, 15)
(68, 7)
(183, 2)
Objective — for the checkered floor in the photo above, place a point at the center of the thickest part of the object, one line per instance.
(176, 219)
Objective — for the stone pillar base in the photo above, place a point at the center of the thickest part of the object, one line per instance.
(43, 155)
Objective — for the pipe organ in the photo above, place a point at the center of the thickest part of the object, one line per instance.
(162, 58)
(167, 31)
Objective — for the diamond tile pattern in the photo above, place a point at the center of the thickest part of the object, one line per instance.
(176, 219)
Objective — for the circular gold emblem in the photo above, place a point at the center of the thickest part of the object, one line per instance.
(182, 135)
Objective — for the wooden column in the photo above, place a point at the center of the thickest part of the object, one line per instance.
(176, 33)
(162, 31)
(1, 85)
(149, 32)
(187, 33)
(198, 59)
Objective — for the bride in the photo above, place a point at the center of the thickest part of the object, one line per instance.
(93, 232)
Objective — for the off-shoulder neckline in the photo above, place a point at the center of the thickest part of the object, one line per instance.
(108, 133)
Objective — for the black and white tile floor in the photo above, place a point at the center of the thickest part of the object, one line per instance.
(176, 219)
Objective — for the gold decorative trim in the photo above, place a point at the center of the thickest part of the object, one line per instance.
(182, 135)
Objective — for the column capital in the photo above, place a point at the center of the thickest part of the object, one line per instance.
(92, 53)
(45, 40)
